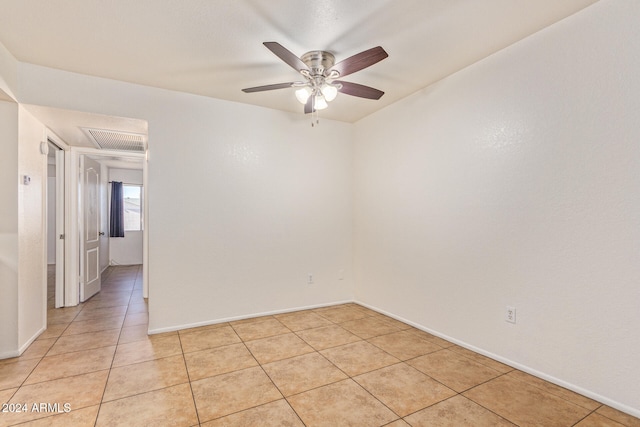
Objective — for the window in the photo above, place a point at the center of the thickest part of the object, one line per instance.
(132, 195)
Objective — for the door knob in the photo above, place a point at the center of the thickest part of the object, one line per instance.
(101, 233)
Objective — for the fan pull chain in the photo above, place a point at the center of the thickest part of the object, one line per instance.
(314, 115)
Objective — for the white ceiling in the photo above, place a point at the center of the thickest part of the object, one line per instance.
(74, 135)
(67, 125)
(214, 47)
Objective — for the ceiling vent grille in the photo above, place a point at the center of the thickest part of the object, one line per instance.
(117, 140)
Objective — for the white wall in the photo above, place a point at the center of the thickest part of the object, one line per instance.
(244, 201)
(8, 229)
(31, 222)
(22, 301)
(125, 250)
(515, 182)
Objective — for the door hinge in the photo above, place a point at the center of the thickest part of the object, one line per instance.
(62, 236)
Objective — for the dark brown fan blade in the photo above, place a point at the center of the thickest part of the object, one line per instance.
(359, 61)
(267, 87)
(288, 57)
(308, 107)
(362, 91)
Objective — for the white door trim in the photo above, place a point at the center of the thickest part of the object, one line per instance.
(60, 226)
(62, 158)
(73, 279)
(145, 226)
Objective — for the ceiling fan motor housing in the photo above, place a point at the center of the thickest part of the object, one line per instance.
(318, 61)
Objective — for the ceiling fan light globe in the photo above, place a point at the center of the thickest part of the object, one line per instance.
(320, 103)
(303, 94)
(329, 92)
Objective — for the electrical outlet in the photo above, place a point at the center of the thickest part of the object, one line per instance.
(310, 279)
(510, 315)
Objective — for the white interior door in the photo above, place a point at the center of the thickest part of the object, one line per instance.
(90, 211)
(60, 233)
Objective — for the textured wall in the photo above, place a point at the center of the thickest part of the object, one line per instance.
(8, 229)
(244, 202)
(515, 182)
(32, 244)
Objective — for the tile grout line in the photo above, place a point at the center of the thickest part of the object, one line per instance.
(340, 313)
(186, 368)
(586, 416)
(54, 379)
(315, 351)
(22, 384)
(349, 377)
(553, 392)
(480, 404)
(106, 383)
(404, 362)
(243, 342)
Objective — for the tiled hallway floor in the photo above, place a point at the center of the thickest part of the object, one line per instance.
(336, 366)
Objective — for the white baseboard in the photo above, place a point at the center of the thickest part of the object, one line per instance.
(23, 347)
(32, 339)
(243, 317)
(9, 354)
(557, 381)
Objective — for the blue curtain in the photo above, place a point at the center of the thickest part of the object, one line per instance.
(116, 223)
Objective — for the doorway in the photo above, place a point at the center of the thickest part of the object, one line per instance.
(102, 137)
(98, 173)
(55, 214)
(90, 191)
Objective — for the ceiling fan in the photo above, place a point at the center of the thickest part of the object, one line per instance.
(321, 74)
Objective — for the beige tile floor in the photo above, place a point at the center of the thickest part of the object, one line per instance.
(337, 366)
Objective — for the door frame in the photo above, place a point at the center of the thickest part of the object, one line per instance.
(60, 212)
(60, 156)
(73, 279)
(62, 253)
